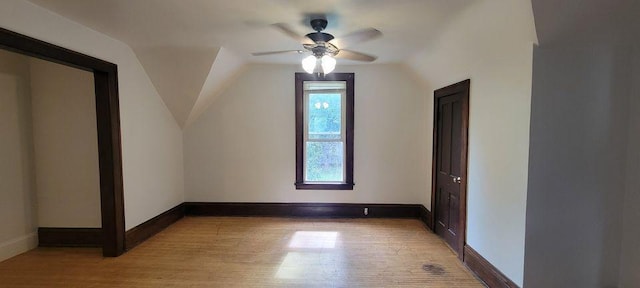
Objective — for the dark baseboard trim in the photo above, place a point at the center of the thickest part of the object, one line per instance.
(321, 210)
(70, 237)
(488, 273)
(425, 217)
(144, 231)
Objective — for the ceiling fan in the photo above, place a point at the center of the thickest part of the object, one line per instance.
(324, 47)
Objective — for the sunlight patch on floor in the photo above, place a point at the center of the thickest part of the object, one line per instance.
(313, 239)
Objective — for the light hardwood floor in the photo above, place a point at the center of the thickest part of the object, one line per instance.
(255, 252)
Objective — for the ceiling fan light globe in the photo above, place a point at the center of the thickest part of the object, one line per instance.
(309, 63)
(328, 64)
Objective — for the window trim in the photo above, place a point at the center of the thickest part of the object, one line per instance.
(349, 125)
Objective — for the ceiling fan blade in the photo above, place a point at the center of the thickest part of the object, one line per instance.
(277, 52)
(356, 37)
(286, 29)
(357, 56)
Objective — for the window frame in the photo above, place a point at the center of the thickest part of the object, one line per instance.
(300, 131)
(343, 128)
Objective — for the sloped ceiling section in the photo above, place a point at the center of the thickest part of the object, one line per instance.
(224, 70)
(178, 42)
(182, 75)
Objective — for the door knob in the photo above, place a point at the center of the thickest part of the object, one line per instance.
(456, 179)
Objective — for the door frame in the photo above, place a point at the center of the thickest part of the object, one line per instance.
(460, 87)
(105, 76)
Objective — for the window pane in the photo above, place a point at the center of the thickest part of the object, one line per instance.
(325, 117)
(325, 85)
(324, 161)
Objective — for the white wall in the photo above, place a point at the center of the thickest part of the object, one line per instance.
(17, 192)
(576, 174)
(151, 139)
(243, 147)
(65, 145)
(491, 43)
(580, 166)
(630, 254)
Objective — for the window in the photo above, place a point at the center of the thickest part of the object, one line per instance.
(324, 131)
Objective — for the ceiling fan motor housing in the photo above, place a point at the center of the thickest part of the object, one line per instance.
(319, 24)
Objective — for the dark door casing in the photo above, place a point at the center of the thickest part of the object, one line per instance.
(105, 75)
(451, 121)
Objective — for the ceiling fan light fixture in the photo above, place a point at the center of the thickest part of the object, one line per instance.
(328, 64)
(324, 47)
(309, 63)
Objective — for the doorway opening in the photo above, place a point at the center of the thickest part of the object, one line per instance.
(105, 77)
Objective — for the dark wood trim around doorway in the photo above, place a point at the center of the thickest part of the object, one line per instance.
(108, 127)
(464, 87)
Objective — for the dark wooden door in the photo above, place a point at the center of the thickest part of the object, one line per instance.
(450, 169)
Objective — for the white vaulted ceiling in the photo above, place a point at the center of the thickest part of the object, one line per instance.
(191, 48)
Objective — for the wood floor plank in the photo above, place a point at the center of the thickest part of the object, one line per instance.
(255, 252)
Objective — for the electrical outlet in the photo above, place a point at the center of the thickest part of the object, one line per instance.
(366, 211)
